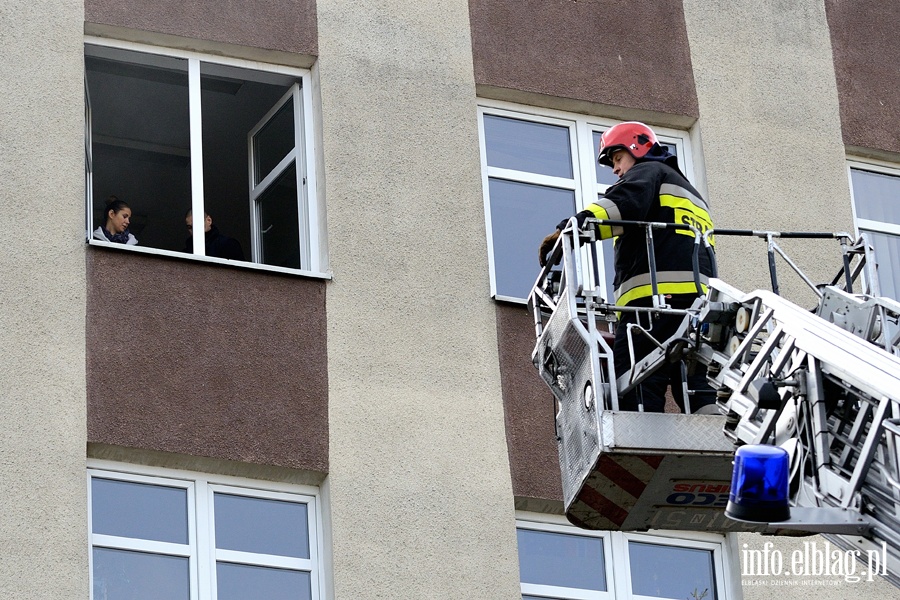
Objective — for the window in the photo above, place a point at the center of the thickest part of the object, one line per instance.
(559, 561)
(876, 203)
(186, 536)
(539, 169)
(170, 132)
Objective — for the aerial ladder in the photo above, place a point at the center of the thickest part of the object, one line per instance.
(821, 383)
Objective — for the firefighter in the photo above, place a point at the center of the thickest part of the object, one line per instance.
(651, 187)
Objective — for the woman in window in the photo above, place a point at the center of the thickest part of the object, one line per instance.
(118, 218)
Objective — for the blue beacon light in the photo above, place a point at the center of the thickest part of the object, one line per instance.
(759, 485)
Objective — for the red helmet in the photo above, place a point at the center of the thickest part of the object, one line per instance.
(632, 136)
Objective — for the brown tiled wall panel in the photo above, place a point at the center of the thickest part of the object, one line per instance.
(616, 52)
(205, 360)
(268, 24)
(866, 55)
(528, 406)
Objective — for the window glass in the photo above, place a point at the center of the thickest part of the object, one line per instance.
(527, 146)
(877, 200)
(280, 236)
(122, 574)
(240, 582)
(887, 255)
(156, 540)
(877, 196)
(671, 572)
(261, 525)
(536, 175)
(521, 215)
(139, 510)
(141, 113)
(559, 559)
(274, 141)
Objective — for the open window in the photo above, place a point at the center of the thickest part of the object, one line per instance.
(170, 132)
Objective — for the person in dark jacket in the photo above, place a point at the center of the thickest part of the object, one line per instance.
(651, 187)
(217, 244)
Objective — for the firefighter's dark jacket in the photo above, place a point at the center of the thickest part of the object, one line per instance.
(653, 191)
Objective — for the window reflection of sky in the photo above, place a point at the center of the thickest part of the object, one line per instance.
(877, 196)
(527, 146)
(139, 575)
(139, 510)
(671, 571)
(261, 525)
(521, 215)
(558, 559)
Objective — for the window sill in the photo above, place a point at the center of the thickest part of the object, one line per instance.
(209, 259)
(510, 300)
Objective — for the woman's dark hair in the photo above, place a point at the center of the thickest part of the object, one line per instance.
(114, 204)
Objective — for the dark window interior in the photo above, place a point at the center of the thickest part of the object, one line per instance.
(142, 153)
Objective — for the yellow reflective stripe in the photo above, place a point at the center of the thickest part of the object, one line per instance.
(645, 291)
(688, 213)
(600, 213)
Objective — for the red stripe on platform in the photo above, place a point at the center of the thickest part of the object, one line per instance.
(619, 475)
(653, 461)
(603, 505)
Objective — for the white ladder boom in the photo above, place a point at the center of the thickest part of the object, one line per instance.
(824, 385)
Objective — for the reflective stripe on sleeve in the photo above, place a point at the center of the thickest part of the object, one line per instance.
(606, 210)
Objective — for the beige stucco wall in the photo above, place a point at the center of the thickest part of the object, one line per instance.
(43, 523)
(770, 133)
(419, 485)
(770, 130)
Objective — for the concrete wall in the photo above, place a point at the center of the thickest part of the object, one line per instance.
(43, 525)
(419, 481)
(586, 56)
(769, 128)
(866, 54)
(205, 360)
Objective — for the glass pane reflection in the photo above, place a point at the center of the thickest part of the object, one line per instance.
(272, 143)
(887, 257)
(528, 146)
(536, 210)
(128, 575)
(877, 196)
(139, 510)
(671, 571)
(279, 221)
(559, 559)
(261, 525)
(243, 582)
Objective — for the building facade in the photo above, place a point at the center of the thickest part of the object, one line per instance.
(351, 412)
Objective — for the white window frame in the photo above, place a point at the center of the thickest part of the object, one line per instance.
(724, 549)
(558, 524)
(309, 211)
(581, 129)
(874, 166)
(201, 548)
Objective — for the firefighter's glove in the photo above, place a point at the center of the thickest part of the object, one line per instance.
(547, 246)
